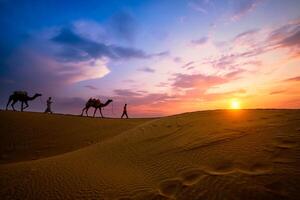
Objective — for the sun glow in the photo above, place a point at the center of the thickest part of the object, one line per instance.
(235, 104)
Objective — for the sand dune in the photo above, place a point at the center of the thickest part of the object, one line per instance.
(245, 154)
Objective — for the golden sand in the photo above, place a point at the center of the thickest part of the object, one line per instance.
(225, 154)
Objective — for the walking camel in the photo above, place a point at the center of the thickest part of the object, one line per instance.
(95, 103)
(21, 96)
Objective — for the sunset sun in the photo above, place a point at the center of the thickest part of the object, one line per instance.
(235, 104)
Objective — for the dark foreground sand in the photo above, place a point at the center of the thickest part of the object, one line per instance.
(245, 154)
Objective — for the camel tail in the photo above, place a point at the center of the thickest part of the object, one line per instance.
(9, 100)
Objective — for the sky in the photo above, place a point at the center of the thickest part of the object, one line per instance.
(161, 57)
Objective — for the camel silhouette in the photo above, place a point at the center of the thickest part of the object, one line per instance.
(95, 103)
(20, 96)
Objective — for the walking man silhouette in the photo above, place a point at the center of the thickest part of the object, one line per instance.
(124, 112)
(48, 109)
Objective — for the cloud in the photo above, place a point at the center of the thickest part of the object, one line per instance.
(188, 64)
(140, 103)
(129, 81)
(153, 104)
(292, 40)
(124, 26)
(201, 6)
(200, 41)
(36, 67)
(234, 74)
(76, 47)
(204, 81)
(147, 69)
(196, 80)
(247, 47)
(177, 59)
(223, 95)
(296, 78)
(277, 92)
(126, 93)
(91, 29)
(162, 84)
(91, 87)
(246, 35)
(287, 35)
(161, 54)
(243, 7)
(197, 7)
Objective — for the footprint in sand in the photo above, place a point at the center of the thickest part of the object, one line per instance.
(285, 144)
(151, 196)
(222, 168)
(192, 177)
(170, 187)
(228, 168)
(257, 169)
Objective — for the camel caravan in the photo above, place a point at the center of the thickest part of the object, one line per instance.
(23, 97)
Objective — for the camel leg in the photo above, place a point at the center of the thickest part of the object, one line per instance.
(26, 105)
(22, 106)
(12, 105)
(82, 111)
(86, 111)
(9, 100)
(95, 112)
(100, 110)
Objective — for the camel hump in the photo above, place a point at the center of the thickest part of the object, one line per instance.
(94, 100)
(98, 101)
(20, 93)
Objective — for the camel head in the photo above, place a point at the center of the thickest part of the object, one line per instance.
(109, 100)
(38, 94)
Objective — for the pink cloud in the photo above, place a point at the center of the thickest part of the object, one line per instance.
(194, 80)
(297, 78)
(204, 81)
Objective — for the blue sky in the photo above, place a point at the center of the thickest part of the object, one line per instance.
(160, 57)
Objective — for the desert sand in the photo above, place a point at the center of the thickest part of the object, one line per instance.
(223, 154)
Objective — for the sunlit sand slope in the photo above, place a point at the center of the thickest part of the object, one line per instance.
(28, 136)
(242, 154)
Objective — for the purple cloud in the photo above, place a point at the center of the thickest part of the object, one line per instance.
(124, 26)
(147, 69)
(293, 40)
(188, 64)
(126, 93)
(91, 87)
(200, 41)
(243, 7)
(78, 48)
(246, 34)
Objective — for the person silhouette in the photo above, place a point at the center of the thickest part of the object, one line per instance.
(48, 109)
(124, 112)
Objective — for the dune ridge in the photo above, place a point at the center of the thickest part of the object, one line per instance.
(245, 154)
